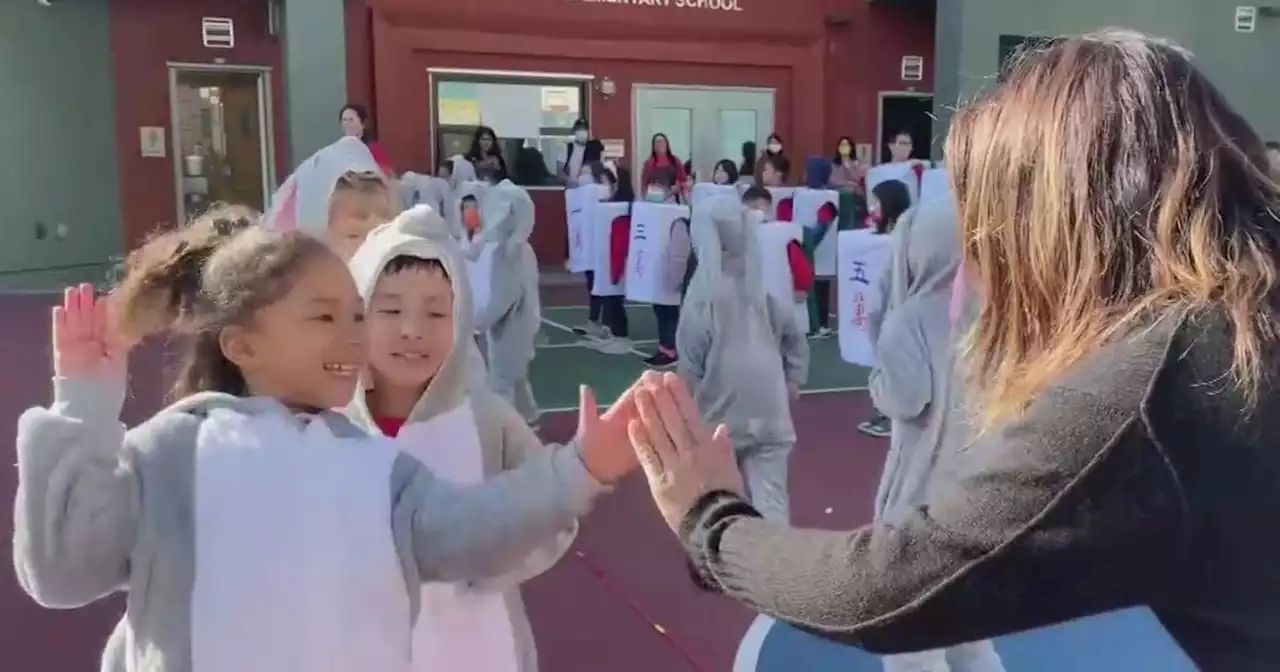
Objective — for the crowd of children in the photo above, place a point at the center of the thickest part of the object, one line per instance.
(401, 316)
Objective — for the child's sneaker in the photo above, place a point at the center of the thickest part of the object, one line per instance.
(613, 346)
(591, 330)
(822, 332)
(879, 427)
(661, 360)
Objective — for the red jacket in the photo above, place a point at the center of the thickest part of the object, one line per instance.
(619, 245)
(801, 270)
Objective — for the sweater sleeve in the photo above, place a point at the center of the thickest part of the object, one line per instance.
(1069, 511)
(801, 269)
(619, 247)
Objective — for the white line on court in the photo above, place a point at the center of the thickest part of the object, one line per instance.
(579, 344)
(748, 656)
(803, 393)
(565, 328)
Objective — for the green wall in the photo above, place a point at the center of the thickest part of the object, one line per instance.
(57, 137)
(1241, 64)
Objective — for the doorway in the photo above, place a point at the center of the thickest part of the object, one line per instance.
(222, 143)
(909, 112)
(703, 124)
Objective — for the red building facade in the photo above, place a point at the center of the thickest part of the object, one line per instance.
(826, 61)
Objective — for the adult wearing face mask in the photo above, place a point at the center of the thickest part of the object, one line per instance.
(773, 148)
(847, 174)
(580, 152)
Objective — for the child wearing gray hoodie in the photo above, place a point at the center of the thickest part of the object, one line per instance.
(252, 529)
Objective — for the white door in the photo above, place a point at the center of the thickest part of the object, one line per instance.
(703, 124)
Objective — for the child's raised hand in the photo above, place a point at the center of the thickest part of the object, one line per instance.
(605, 444)
(83, 345)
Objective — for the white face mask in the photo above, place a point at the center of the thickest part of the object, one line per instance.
(775, 147)
(656, 195)
(580, 137)
(604, 191)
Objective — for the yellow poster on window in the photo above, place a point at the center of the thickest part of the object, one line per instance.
(459, 112)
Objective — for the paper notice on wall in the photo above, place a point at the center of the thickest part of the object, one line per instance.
(512, 110)
(647, 257)
(579, 206)
(861, 258)
(614, 148)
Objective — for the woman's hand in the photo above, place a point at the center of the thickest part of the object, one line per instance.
(680, 455)
(603, 438)
(83, 343)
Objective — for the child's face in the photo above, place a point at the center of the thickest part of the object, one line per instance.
(410, 327)
(759, 205)
(720, 176)
(471, 214)
(351, 218)
(770, 177)
(308, 348)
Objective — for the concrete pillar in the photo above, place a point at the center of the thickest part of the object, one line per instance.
(315, 74)
(948, 33)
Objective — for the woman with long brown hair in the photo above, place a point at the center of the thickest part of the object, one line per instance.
(1120, 233)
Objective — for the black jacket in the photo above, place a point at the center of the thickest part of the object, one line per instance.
(1140, 478)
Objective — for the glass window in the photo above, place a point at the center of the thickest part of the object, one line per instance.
(533, 118)
(736, 127)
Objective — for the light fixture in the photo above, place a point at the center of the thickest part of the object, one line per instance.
(606, 87)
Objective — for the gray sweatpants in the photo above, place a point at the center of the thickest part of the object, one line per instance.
(972, 657)
(764, 468)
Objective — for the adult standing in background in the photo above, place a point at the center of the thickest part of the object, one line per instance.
(774, 148)
(1125, 404)
(355, 124)
(847, 173)
(582, 150)
(486, 155)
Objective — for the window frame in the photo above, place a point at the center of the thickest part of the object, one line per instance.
(437, 76)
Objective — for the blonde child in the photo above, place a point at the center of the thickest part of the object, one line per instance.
(221, 516)
(412, 277)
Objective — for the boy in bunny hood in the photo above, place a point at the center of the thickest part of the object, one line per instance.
(914, 384)
(512, 312)
(413, 279)
(741, 352)
(337, 195)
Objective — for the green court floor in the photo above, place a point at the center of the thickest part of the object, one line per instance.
(562, 364)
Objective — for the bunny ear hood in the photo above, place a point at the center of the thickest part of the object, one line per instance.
(508, 213)
(302, 202)
(462, 171)
(421, 233)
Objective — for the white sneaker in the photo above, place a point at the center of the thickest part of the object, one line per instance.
(592, 331)
(613, 346)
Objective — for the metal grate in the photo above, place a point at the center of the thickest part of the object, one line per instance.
(218, 33)
(912, 68)
(1246, 19)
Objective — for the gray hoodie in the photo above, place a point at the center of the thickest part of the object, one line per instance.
(101, 509)
(912, 382)
(495, 431)
(739, 346)
(513, 314)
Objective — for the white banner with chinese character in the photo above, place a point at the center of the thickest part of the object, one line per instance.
(648, 254)
(579, 204)
(862, 256)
